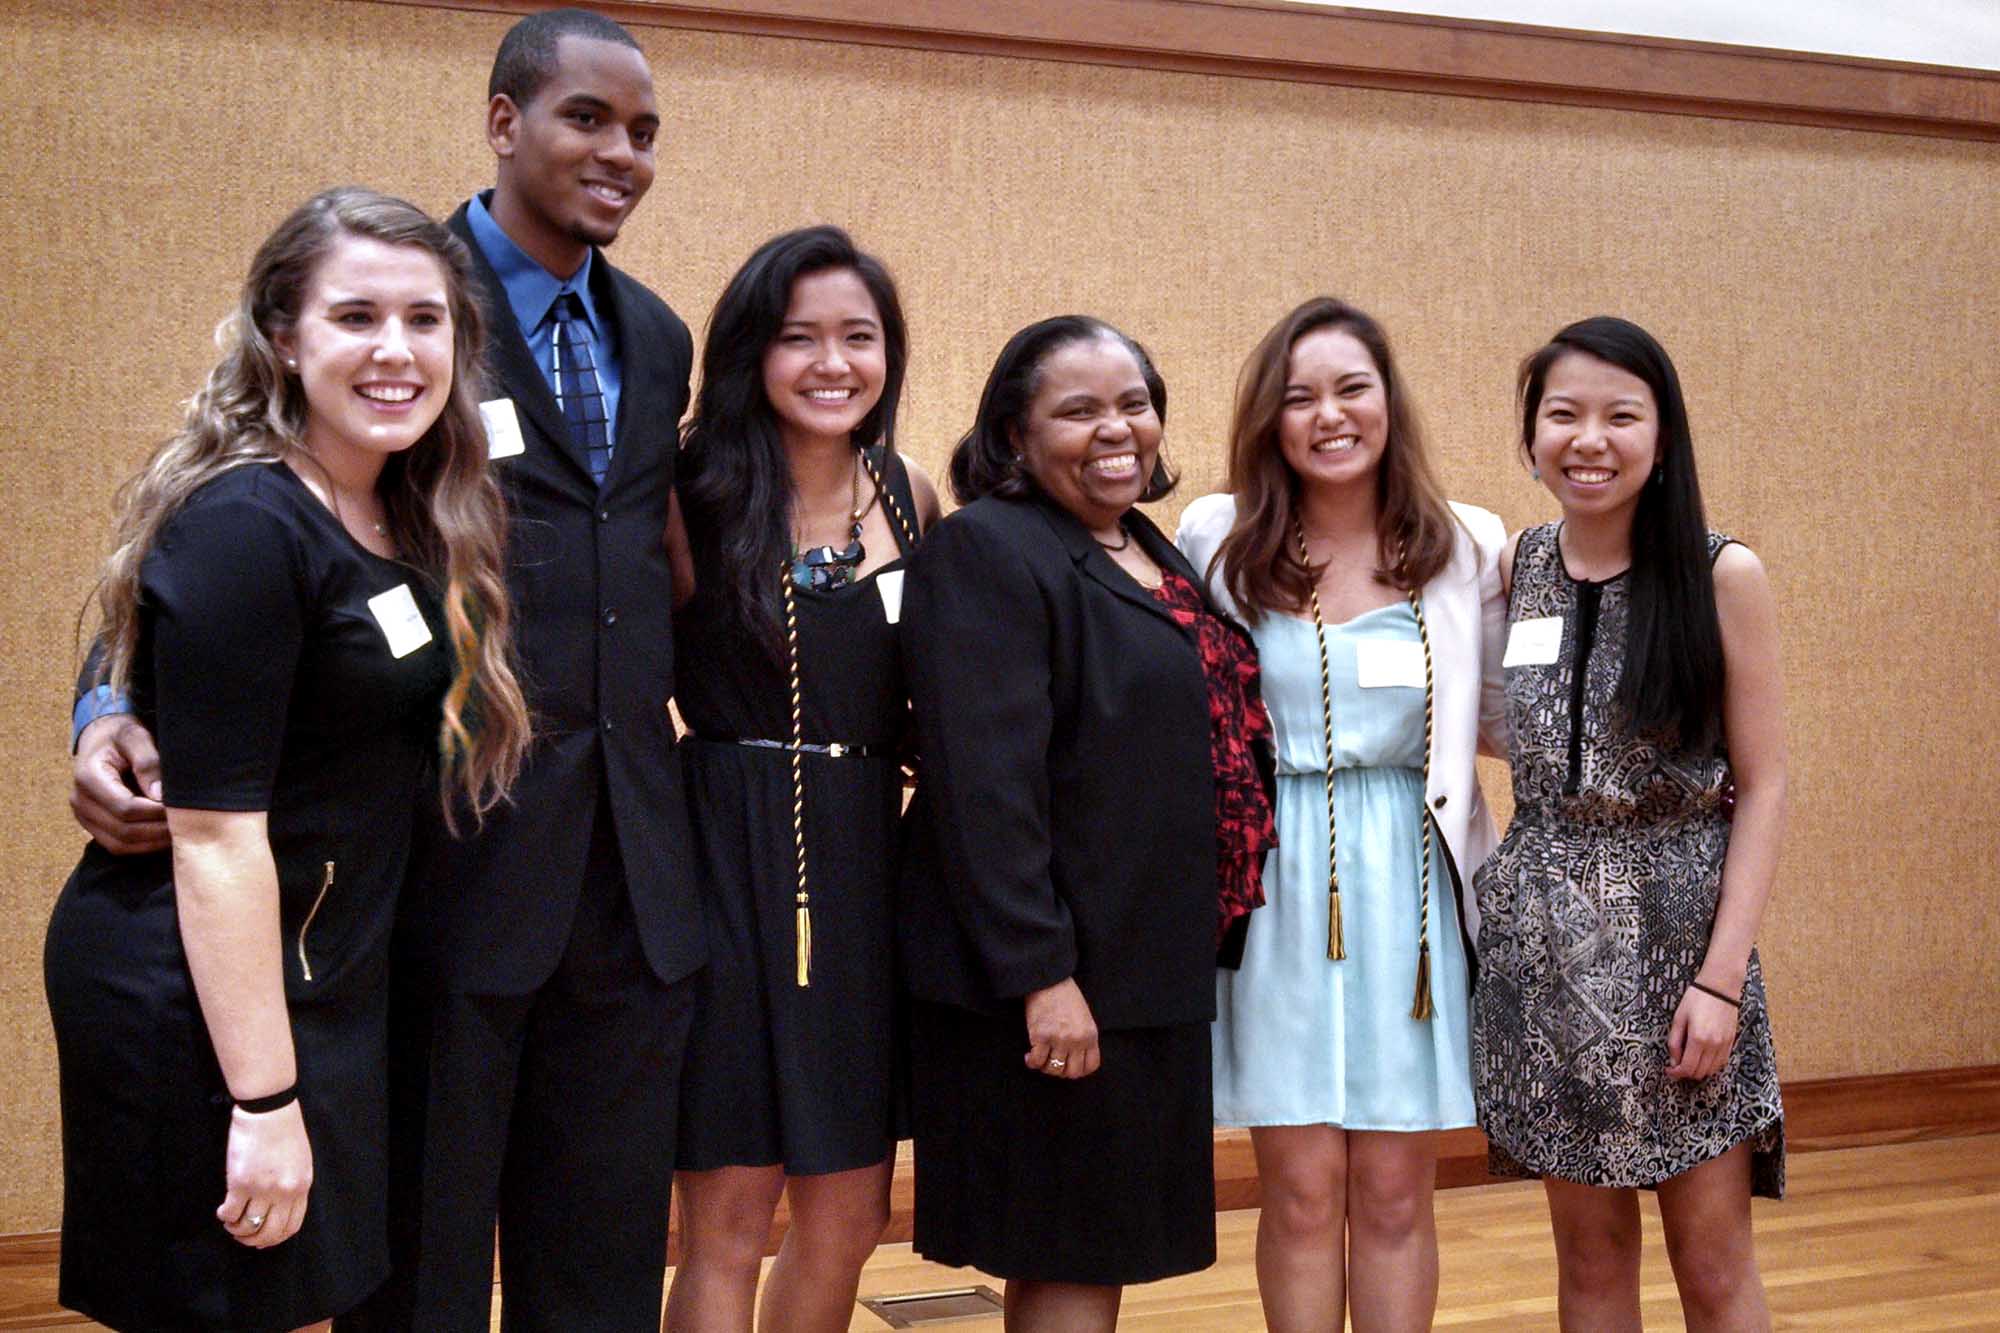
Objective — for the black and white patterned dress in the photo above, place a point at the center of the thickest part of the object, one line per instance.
(1595, 914)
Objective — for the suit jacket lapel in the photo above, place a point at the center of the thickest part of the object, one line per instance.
(1098, 566)
(509, 361)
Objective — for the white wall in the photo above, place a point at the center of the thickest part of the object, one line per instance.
(1935, 32)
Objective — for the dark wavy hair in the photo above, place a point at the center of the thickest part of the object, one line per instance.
(735, 483)
(1414, 527)
(1671, 685)
(985, 463)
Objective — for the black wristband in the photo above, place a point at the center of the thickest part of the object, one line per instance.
(276, 1101)
(1710, 990)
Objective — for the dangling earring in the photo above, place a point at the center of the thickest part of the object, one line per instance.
(1659, 475)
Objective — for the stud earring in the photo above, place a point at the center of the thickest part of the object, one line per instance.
(1534, 474)
(291, 363)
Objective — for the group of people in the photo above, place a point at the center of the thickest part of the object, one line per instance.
(407, 910)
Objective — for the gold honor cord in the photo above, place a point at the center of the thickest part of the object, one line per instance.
(1336, 948)
(1420, 1008)
(802, 929)
(803, 922)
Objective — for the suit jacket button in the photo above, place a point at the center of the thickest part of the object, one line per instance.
(1438, 804)
(604, 516)
(607, 724)
(611, 617)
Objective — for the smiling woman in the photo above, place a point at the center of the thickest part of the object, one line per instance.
(373, 352)
(1621, 1038)
(1060, 935)
(306, 607)
(800, 514)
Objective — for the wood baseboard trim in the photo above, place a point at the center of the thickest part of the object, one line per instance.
(1820, 1114)
(1298, 43)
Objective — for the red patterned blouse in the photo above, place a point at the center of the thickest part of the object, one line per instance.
(1237, 724)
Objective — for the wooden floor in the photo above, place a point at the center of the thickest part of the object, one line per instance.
(1901, 1237)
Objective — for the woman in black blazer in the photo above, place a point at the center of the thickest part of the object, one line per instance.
(1086, 724)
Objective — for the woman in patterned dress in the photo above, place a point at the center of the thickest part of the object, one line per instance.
(1345, 1069)
(1620, 1038)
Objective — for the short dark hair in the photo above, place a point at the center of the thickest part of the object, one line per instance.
(1672, 682)
(734, 479)
(526, 60)
(984, 462)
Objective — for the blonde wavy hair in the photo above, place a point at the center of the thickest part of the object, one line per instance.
(445, 513)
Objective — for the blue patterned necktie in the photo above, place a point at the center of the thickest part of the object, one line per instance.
(576, 385)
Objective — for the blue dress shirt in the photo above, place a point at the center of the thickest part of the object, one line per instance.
(531, 292)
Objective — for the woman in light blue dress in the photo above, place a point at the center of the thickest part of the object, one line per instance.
(1341, 1035)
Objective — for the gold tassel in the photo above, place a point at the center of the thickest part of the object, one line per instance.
(803, 941)
(1421, 1010)
(1336, 946)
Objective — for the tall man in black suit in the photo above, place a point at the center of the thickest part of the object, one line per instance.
(550, 951)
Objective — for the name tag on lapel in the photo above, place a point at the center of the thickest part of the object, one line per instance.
(890, 584)
(503, 428)
(1533, 642)
(402, 624)
(1383, 662)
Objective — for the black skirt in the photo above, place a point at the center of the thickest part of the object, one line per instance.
(145, 1118)
(1105, 1180)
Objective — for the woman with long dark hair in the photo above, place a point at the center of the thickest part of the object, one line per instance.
(1093, 815)
(1341, 1038)
(1620, 1036)
(799, 515)
(304, 579)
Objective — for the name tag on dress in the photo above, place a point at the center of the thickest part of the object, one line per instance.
(503, 428)
(1533, 642)
(890, 584)
(1383, 662)
(402, 624)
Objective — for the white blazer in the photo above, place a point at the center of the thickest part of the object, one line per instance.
(1466, 615)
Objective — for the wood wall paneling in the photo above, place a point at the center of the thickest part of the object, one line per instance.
(1301, 43)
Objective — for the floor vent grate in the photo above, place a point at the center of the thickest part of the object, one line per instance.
(915, 1309)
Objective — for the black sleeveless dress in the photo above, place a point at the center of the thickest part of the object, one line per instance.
(777, 1073)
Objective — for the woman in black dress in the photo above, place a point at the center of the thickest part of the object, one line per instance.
(1094, 812)
(799, 514)
(302, 577)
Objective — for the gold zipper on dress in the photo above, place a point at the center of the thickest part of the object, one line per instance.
(325, 885)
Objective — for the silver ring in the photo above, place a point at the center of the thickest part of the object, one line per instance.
(1057, 1063)
(255, 1221)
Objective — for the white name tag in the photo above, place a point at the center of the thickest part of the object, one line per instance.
(503, 429)
(1533, 642)
(402, 624)
(890, 584)
(1381, 662)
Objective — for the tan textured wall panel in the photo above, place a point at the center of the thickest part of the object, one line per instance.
(1831, 299)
